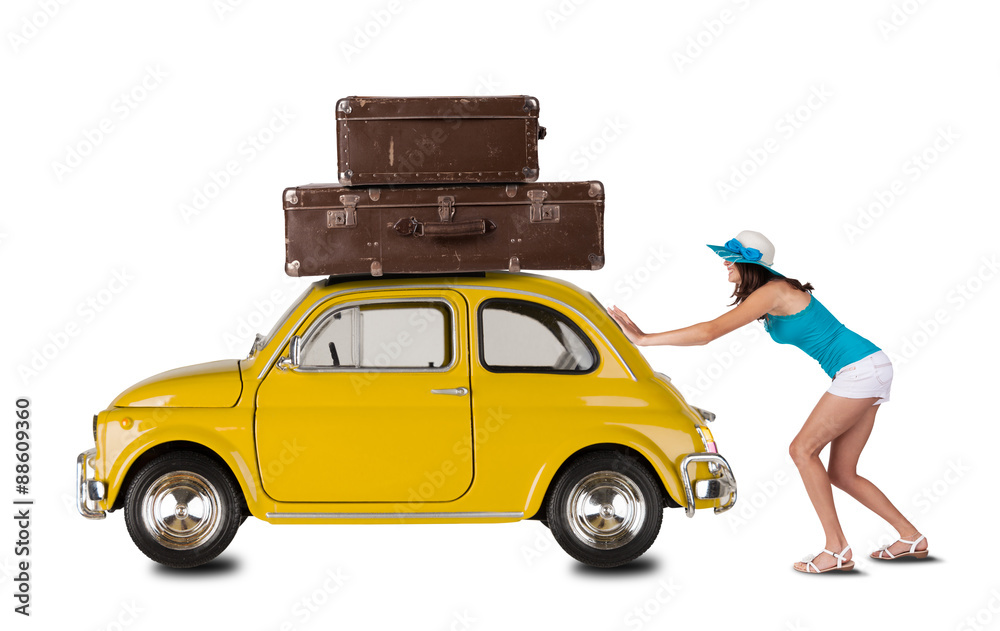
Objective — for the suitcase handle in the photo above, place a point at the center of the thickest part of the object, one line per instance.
(410, 226)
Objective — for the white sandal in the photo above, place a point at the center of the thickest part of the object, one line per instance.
(842, 563)
(913, 552)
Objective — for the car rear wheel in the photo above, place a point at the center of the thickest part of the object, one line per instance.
(182, 509)
(606, 509)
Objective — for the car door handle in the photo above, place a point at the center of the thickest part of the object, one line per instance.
(458, 392)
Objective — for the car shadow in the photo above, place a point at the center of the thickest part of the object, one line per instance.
(642, 565)
(217, 566)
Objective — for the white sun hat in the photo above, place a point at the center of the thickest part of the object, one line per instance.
(748, 247)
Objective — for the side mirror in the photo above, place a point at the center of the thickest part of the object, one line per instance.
(294, 350)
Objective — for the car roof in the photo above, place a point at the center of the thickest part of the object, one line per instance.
(519, 281)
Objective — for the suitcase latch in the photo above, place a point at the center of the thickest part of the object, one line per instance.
(346, 217)
(446, 207)
(542, 213)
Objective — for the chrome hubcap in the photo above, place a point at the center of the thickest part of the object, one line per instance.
(181, 510)
(606, 510)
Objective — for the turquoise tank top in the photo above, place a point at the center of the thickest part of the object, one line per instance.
(820, 335)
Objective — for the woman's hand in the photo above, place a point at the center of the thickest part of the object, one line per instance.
(631, 331)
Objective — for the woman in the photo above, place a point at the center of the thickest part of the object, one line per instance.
(845, 414)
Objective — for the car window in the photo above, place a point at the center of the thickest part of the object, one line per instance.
(381, 335)
(522, 336)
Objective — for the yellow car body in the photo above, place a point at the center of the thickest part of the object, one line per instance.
(371, 445)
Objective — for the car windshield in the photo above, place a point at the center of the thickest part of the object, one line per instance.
(263, 340)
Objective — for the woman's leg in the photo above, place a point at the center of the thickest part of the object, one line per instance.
(831, 417)
(844, 453)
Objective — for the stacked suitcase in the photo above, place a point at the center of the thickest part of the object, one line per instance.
(441, 184)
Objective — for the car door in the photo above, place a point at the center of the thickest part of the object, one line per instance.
(376, 406)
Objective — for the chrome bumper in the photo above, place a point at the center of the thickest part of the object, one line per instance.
(88, 490)
(723, 485)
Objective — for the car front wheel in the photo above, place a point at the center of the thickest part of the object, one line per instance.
(182, 510)
(606, 509)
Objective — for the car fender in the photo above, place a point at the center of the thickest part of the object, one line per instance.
(615, 436)
(240, 462)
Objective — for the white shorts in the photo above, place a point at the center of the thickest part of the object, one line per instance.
(870, 376)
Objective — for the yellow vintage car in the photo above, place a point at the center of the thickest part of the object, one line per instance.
(463, 398)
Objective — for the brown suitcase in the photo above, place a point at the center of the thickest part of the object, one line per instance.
(437, 140)
(477, 227)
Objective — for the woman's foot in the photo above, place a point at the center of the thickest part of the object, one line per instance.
(914, 545)
(826, 561)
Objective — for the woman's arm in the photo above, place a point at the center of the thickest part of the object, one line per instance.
(757, 304)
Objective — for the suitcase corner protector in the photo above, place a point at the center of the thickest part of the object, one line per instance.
(292, 268)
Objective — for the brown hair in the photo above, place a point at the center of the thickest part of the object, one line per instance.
(753, 277)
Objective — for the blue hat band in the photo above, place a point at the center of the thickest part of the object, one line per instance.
(750, 254)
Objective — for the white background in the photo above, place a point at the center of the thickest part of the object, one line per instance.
(661, 102)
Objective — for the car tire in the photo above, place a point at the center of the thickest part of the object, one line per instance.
(606, 509)
(182, 509)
